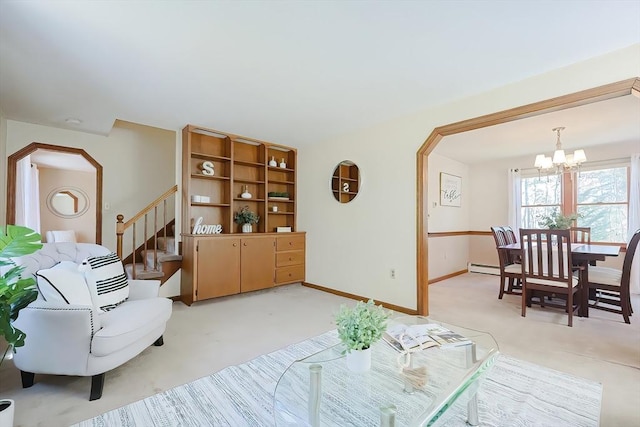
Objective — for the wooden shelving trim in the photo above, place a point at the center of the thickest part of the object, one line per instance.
(240, 199)
(344, 192)
(281, 213)
(201, 176)
(205, 156)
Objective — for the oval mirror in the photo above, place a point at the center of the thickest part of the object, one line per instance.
(68, 202)
(345, 181)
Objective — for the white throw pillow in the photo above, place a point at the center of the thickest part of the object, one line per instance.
(106, 280)
(63, 283)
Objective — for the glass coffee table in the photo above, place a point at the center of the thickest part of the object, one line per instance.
(319, 390)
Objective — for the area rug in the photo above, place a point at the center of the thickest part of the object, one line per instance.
(515, 393)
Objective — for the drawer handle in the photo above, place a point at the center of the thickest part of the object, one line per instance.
(234, 245)
(290, 243)
(290, 259)
(244, 244)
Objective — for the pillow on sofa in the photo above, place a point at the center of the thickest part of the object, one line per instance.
(63, 283)
(106, 280)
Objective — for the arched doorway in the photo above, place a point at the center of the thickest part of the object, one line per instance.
(601, 93)
(12, 166)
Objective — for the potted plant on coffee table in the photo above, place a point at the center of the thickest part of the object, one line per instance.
(246, 218)
(16, 293)
(358, 328)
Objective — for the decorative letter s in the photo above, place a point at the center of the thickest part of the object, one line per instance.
(207, 168)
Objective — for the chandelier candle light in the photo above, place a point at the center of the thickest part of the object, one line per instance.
(560, 160)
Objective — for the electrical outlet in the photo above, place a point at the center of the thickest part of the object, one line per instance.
(393, 273)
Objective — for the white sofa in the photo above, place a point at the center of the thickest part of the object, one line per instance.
(68, 339)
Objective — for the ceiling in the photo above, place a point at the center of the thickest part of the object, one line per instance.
(292, 72)
(56, 160)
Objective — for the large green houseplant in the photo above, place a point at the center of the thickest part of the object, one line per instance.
(16, 292)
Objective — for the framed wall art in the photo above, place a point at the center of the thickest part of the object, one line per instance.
(450, 190)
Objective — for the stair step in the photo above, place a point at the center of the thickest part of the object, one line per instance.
(141, 273)
(168, 244)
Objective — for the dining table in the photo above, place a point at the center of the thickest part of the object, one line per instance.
(582, 255)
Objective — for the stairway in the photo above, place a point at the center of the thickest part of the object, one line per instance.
(168, 261)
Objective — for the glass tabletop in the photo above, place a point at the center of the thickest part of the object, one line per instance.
(320, 390)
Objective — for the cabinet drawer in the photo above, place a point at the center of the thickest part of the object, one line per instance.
(294, 273)
(289, 258)
(289, 243)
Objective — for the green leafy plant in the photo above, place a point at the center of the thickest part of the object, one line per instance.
(246, 216)
(361, 325)
(16, 292)
(558, 221)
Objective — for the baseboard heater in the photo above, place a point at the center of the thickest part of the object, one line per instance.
(483, 268)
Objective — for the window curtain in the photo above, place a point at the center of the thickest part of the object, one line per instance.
(514, 199)
(634, 218)
(28, 194)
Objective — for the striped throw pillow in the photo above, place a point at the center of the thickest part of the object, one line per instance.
(106, 280)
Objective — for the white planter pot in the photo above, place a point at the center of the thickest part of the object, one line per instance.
(247, 228)
(359, 360)
(7, 408)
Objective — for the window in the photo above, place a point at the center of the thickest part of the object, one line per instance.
(541, 196)
(599, 196)
(602, 201)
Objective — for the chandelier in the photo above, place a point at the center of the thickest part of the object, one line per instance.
(560, 161)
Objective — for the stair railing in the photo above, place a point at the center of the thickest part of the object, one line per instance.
(121, 227)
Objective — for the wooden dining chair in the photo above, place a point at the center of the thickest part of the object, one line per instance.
(509, 270)
(610, 286)
(547, 268)
(581, 235)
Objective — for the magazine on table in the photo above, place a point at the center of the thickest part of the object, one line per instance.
(427, 335)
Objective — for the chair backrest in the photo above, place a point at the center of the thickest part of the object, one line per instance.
(628, 259)
(510, 235)
(581, 235)
(61, 236)
(499, 236)
(546, 255)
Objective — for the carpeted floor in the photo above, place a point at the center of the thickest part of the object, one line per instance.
(515, 393)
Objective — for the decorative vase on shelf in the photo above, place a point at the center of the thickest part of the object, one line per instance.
(283, 164)
(359, 360)
(273, 162)
(247, 228)
(245, 193)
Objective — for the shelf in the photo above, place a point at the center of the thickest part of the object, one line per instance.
(281, 213)
(240, 199)
(215, 205)
(275, 199)
(210, 157)
(201, 176)
(246, 163)
(344, 192)
(276, 168)
(275, 181)
(248, 181)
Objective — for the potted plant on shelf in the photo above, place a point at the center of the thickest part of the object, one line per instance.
(15, 294)
(246, 218)
(558, 221)
(358, 328)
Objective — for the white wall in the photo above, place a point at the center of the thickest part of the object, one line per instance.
(3, 170)
(138, 163)
(351, 247)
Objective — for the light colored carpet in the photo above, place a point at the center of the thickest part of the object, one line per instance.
(515, 393)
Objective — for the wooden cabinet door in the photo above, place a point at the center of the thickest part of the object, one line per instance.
(218, 267)
(258, 263)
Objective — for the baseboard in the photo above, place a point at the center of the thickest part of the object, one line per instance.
(447, 276)
(361, 298)
(483, 268)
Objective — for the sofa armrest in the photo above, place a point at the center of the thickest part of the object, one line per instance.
(58, 338)
(142, 289)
